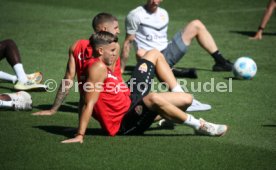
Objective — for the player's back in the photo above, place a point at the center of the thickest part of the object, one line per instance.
(82, 54)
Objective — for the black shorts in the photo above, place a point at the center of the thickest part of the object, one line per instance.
(139, 117)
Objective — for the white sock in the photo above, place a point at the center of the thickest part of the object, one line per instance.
(4, 104)
(177, 88)
(192, 122)
(7, 76)
(20, 73)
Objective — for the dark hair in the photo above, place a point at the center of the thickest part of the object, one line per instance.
(102, 38)
(101, 18)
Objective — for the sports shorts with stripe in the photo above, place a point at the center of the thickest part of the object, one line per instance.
(139, 117)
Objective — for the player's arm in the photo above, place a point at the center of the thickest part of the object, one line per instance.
(65, 85)
(132, 23)
(97, 74)
(126, 49)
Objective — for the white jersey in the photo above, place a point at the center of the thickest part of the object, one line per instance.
(150, 29)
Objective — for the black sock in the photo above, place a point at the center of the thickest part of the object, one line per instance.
(218, 57)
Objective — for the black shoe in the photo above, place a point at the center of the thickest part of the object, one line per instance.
(225, 66)
(186, 72)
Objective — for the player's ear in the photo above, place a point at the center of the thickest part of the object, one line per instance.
(100, 50)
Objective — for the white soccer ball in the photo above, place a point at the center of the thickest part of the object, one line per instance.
(245, 68)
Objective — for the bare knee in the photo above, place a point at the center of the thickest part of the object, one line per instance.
(192, 30)
(140, 53)
(184, 100)
(152, 55)
(187, 99)
(196, 24)
(153, 100)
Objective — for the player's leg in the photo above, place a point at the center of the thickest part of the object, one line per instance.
(11, 53)
(157, 103)
(196, 29)
(165, 74)
(3, 51)
(180, 100)
(9, 50)
(139, 117)
(175, 50)
(5, 101)
(7, 77)
(163, 70)
(154, 59)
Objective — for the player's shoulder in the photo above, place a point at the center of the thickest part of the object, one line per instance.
(98, 67)
(79, 44)
(136, 11)
(162, 9)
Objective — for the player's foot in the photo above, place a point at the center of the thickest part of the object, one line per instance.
(29, 85)
(223, 66)
(211, 129)
(198, 106)
(21, 100)
(166, 124)
(35, 77)
(184, 72)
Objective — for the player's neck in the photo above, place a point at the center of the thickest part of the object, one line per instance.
(150, 9)
(109, 67)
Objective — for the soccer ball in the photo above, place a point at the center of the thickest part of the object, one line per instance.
(245, 68)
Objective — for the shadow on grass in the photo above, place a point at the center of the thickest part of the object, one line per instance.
(12, 90)
(269, 126)
(63, 108)
(233, 78)
(7, 88)
(73, 103)
(252, 33)
(239, 79)
(70, 131)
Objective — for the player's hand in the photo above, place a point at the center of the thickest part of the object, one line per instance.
(44, 113)
(255, 38)
(258, 36)
(77, 139)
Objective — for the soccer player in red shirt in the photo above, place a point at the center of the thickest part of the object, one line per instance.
(128, 111)
(80, 54)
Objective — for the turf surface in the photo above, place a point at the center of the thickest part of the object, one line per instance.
(44, 30)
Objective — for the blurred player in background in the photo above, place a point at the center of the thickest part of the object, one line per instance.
(147, 27)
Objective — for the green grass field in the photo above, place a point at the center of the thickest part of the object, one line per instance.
(44, 30)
